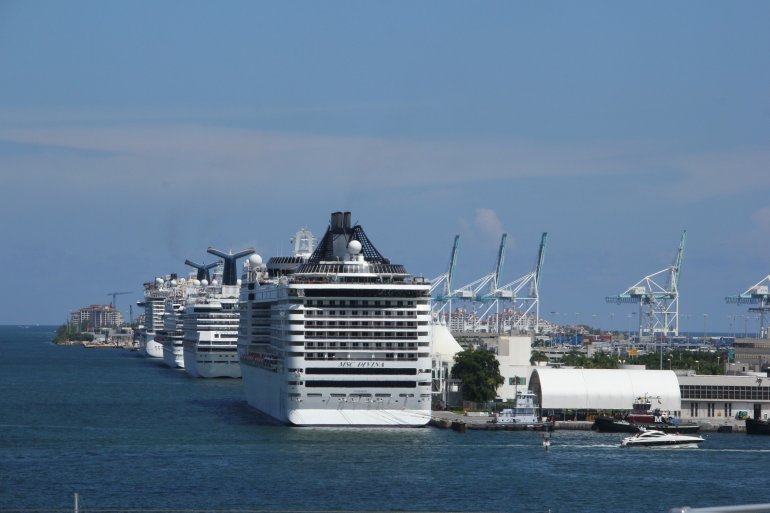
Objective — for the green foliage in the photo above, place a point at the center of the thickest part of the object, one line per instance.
(703, 362)
(479, 371)
(537, 356)
(68, 333)
(598, 360)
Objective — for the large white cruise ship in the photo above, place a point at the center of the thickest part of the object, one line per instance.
(211, 323)
(339, 337)
(155, 293)
(172, 334)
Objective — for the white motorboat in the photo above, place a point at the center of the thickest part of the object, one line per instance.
(652, 438)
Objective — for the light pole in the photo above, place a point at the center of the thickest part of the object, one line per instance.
(697, 367)
(732, 324)
(669, 363)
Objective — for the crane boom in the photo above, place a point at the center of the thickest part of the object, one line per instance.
(500, 258)
(452, 263)
(540, 258)
(679, 257)
(113, 294)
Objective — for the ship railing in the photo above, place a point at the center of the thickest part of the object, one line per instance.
(746, 508)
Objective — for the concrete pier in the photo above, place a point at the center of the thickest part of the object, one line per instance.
(447, 420)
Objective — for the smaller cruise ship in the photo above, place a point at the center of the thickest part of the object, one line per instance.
(155, 293)
(211, 320)
(172, 334)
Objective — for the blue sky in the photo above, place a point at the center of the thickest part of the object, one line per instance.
(135, 134)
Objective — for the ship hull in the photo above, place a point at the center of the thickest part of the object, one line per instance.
(173, 356)
(212, 364)
(757, 427)
(610, 425)
(153, 349)
(266, 391)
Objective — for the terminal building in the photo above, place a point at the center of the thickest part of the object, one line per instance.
(576, 394)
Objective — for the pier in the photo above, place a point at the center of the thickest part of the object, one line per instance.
(461, 423)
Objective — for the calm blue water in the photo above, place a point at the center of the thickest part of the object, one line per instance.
(126, 432)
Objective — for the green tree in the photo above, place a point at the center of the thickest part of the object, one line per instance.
(479, 371)
(537, 356)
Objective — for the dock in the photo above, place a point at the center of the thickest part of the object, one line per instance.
(461, 423)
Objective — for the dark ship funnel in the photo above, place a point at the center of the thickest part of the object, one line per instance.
(230, 274)
(203, 270)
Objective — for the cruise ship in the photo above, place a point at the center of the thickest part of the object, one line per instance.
(172, 335)
(155, 293)
(336, 337)
(211, 322)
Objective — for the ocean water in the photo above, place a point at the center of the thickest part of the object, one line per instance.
(125, 432)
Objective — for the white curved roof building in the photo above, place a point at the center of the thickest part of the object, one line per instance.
(604, 389)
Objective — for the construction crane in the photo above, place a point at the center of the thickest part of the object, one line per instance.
(658, 304)
(113, 294)
(758, 294)
(443, 300)
(524, 304)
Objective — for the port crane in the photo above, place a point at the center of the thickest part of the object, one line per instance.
(443, 300)
(657, 295)
(482, 291)
(524, 304)
(114, 294)
(758, 294)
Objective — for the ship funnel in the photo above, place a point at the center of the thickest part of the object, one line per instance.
(336, 222)
(230, 274)
(346, 220)
(203, 270)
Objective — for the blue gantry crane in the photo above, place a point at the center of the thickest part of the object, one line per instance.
(657, 295)
(758, 294)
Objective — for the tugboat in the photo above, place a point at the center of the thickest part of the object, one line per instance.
(523, 416)
(642, 417)
(757, 427)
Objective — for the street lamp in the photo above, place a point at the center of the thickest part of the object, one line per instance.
(669, 363)
(697, 366)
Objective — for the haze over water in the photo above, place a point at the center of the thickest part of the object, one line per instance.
(126, 432)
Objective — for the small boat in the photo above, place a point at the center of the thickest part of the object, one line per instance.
(757, 427)
(522, 416)
(652, 438)
(643, 417)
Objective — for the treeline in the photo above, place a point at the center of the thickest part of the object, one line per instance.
(70, 333)
(703, 362)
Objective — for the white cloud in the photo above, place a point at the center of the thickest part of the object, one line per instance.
(762, 217)
(487, 223)
(190, 155)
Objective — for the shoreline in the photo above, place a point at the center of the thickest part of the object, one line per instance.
(447, 420)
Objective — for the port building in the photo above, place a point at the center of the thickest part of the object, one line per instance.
(604, 389)
(718, 398)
